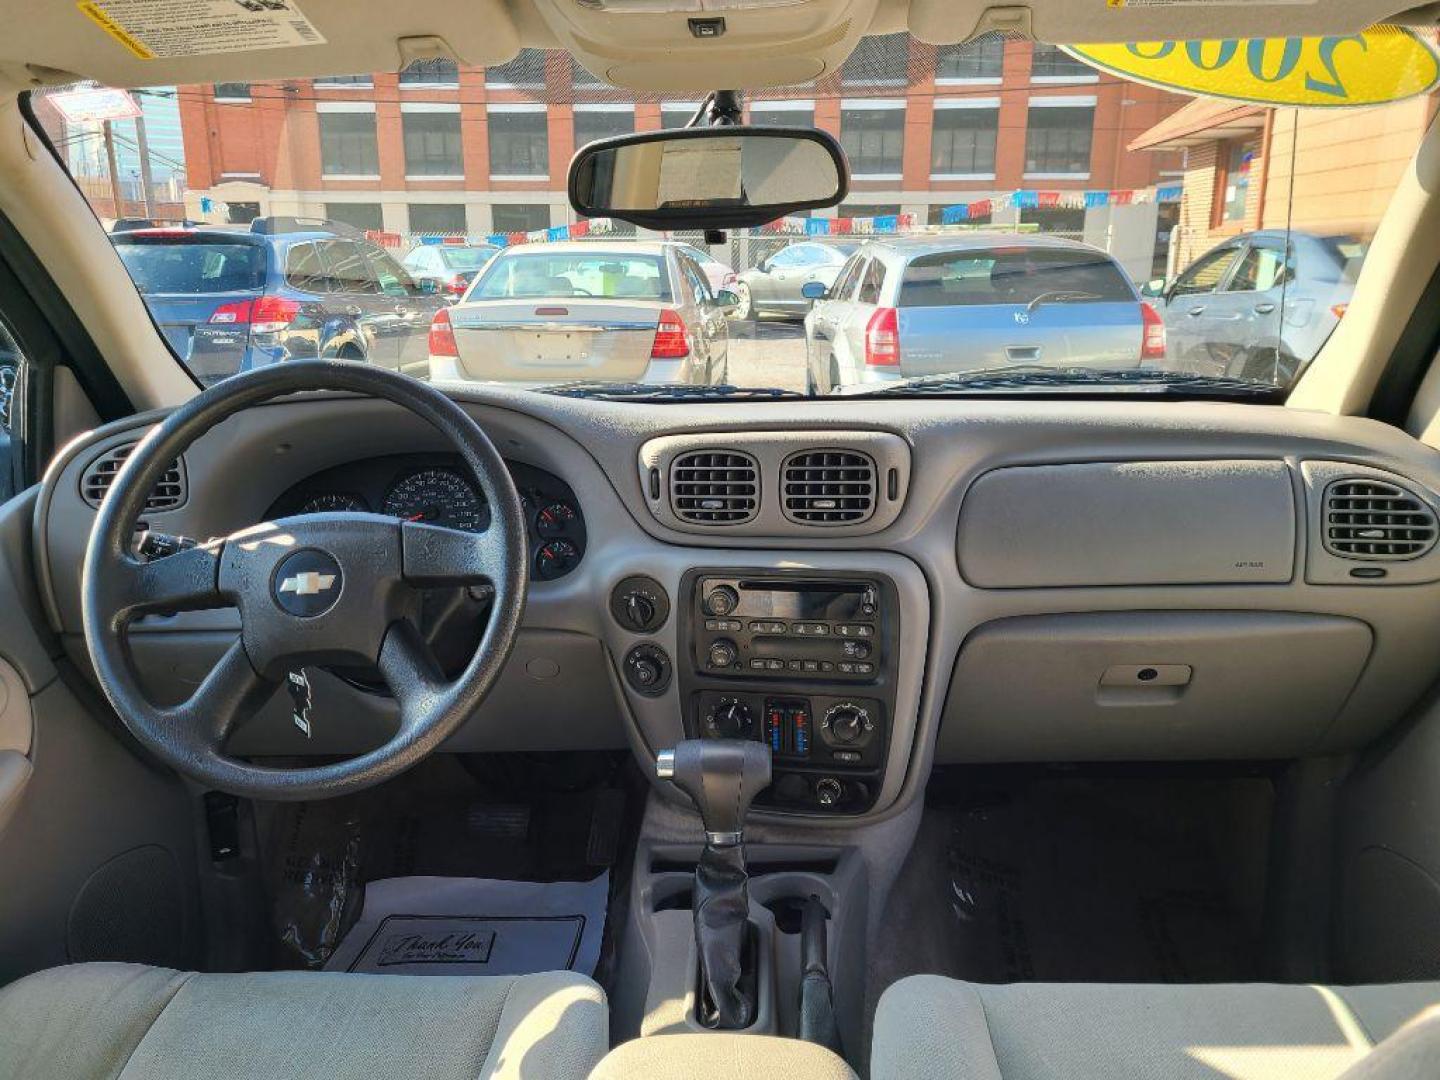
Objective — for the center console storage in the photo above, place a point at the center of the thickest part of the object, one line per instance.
(803, 662)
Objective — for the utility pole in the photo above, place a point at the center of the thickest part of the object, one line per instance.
(114, 170)
(147, 182)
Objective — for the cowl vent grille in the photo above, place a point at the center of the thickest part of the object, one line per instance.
(95, 483)
(715, 487)
(1373, 520)
(828, 487)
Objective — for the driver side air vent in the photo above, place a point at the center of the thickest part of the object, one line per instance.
(1372, 520)
(95, 484)
(828, 487)
(715, 487)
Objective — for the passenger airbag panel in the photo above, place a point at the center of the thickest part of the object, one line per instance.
(1129, 523)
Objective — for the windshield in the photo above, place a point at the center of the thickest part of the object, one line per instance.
(1081, 212)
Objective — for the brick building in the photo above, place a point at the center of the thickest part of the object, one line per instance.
(441, 149)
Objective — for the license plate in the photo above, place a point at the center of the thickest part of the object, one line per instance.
(557, 348)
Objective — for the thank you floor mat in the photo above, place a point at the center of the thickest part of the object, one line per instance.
(475, 926)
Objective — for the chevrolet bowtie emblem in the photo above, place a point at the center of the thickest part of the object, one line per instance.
(310, 583)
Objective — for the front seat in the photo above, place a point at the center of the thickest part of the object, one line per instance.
(944, 1029)
(127, 1022)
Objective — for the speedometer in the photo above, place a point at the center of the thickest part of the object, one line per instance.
(438, 497)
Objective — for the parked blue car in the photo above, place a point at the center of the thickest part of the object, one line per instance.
(230, 299)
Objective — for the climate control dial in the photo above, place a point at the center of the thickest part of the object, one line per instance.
(846, 723)
(730, 718)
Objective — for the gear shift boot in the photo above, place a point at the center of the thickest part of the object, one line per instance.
(722, 777)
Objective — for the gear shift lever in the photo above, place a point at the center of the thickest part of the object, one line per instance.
(722, 776)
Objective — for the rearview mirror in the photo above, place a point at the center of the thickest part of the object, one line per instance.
(708, 178)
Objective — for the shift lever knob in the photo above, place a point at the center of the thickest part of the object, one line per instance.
(723, 776)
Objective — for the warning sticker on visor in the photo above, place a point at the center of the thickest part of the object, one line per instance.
(160, 29)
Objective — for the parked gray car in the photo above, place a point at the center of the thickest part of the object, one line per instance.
(620, 311)
(940, 304)
(774, 287)
(450, 266)
(1258, 307)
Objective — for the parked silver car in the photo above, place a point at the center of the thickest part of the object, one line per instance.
(774, 286)
(541, 314)
(934, 305)
(450, 266)
(1257, 307)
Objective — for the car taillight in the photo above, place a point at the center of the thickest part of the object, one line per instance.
(1338, 310)
(237, 311)
(670, 340)
(882, 338)
(271, 314)
(457, 285)
(442, 336)
(1152, 333)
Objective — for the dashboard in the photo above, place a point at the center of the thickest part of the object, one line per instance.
(1044, 580)
(436, 489)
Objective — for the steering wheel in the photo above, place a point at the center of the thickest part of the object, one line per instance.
(338, 588)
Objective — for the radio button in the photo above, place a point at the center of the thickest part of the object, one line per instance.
(865, 669)
(810, 665)
(827, 665)
(774, 665)
(757, 665)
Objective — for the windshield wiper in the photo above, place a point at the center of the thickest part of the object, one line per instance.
(1075, 380)
(633, 391)
(1062, 296)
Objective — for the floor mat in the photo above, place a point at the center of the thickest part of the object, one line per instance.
(475, 926)
(1078, 881)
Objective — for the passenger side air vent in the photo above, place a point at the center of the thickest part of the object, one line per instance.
(1373, 520)
(828, 487)
(715, 487)
(95, 483)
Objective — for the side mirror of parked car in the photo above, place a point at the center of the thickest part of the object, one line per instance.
(1153, 288)
(428, 285)
(727, 301)
(813, 290)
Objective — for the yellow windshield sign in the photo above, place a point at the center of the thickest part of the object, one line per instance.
(1381, 65)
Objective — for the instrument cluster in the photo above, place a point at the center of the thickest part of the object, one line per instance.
(437, 489)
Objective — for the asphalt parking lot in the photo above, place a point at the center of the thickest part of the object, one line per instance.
(768, 352)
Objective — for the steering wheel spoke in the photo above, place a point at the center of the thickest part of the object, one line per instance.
(435, 555)
(229, 695)
(410, 671)
(188, 580)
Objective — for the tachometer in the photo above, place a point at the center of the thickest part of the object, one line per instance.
(438, 497)
(333, 502)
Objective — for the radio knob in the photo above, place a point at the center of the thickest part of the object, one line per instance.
(730, 719)
(846, 723)
(722, 653)
(722, 600)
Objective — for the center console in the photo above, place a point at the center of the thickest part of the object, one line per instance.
(804, 662)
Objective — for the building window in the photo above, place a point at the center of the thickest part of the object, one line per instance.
(874, 140)
(783, 114)
(432, 143)
(348, 146)
(518, 144)
(884, 60)
(446, 218)
(980, 59)
(344, 80)
(593, 124)
(1237, 182)
(1050, 63)
(359, 215)
(527, 69)
(436, 72)
(520, 217)
(1057, 140)
(676, 114)
(962, 142)
(232, 91)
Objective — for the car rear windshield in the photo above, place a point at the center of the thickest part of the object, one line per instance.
(466, 258)
(193, 267)
(1015, 276)
(603, 275)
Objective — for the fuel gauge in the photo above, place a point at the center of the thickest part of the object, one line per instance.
(555, 519)
(556, 557)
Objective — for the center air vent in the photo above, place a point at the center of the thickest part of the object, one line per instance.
(828, 487)
(95, 484)
(715, 487)
(1373, 520)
